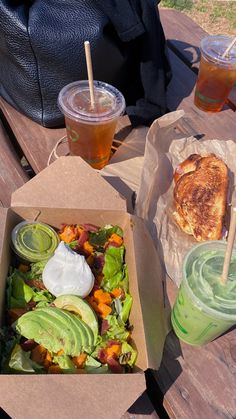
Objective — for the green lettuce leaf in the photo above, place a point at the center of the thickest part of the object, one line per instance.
(126, 307)
(18, 292)
(128, 355)
(113, 269)
(21, 362)
(43, 296)
(99, 238)
(117, 330)
(7, 343)
(36, 270)
(125, 281)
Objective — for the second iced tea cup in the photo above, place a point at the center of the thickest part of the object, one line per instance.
(90, 130)
(217, 74)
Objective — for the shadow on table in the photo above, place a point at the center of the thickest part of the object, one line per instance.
(4, 415)
(142, 406)
(159, 382)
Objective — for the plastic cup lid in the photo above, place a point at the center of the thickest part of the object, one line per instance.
(74, 102)
(214, 46)
(34, 241)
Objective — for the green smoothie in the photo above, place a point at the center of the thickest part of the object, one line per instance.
(205, 308)
(34, 241)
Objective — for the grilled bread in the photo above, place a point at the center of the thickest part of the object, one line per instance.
(188, 165)
(200, 196)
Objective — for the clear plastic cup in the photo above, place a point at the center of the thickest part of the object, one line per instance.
(90, 131)
(217, 75)
(204, 308)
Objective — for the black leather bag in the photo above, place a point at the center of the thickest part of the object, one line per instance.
(42, 50)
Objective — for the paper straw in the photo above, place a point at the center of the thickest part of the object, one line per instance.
(229, 247)
(229, 48)
(89, 71)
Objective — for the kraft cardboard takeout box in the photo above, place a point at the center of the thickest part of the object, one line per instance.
(70, 191)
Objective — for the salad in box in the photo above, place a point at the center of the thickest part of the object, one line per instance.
(49, 198)
(67, 301)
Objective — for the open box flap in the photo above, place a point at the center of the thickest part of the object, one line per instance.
(69, 182)
(70, 396)
(151, 279)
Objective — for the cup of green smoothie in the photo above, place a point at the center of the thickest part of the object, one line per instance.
(205, 308)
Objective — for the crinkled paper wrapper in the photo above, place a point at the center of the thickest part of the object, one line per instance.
(164, 150)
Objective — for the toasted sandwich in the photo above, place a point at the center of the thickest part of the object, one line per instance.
(200, 196)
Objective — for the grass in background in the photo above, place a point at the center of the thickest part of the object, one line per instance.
(178, 4)
(215, 16)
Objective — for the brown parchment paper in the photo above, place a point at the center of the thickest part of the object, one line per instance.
(164, 150)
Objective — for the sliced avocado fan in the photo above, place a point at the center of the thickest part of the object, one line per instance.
(56, 330)
(80, 307)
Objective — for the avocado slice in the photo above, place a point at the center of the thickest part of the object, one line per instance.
(57, 328)
(79, 306)
(51, 328)
(71, 326)
(90, 336)
(83, 334)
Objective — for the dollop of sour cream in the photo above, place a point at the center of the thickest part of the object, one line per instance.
(67, 273)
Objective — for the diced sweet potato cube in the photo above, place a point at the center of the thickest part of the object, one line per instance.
(88, 247)
(116, 238)
(117, 292)
(38, 354)
(69, 234)
(23, 268)
(47, 360)
(104, 310)
(79, 360)
(101, 296)
(114, 350)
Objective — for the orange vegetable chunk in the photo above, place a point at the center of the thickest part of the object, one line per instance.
(104, 310)
(101, 296)
(69, 234)
(79, 360)
(88, 247)
(116, 238)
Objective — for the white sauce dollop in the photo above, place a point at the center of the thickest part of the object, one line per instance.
(67, 273)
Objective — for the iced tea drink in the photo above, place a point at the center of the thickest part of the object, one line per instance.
(90, 130)
(217, 75)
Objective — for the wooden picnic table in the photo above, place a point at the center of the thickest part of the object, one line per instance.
(191, 382)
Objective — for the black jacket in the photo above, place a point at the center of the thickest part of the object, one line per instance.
(137, 23)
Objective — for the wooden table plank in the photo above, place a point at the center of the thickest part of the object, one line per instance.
(35, 141)
(198, 382)
(12, 174)
(183, 36)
